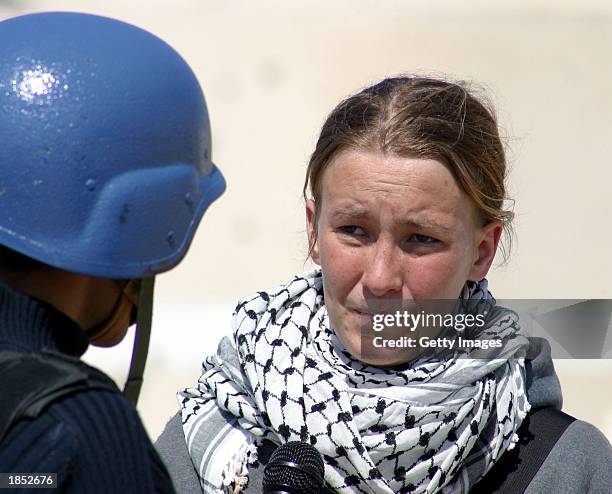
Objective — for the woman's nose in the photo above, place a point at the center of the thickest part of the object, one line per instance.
(382, 274)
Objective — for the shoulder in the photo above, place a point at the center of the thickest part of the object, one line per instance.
(585, 445)
(94, 440)
(109, 432)
(100, 417)
(580, 462)
(213, 447)
(585, 437)
(172, 448)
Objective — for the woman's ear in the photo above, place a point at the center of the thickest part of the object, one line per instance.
(311, 229)
(486, 242)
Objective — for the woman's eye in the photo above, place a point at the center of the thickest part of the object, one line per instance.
(422, 239)
(352, 230)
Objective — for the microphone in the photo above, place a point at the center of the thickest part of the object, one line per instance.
(294, 468)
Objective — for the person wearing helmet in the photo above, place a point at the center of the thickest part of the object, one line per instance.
(105, 173)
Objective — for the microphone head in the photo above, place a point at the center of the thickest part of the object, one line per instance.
(294, 468)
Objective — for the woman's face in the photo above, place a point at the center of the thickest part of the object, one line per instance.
(391, 230)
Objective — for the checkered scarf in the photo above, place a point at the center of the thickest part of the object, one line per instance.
(436, 426)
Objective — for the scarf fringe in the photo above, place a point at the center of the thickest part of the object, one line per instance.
(235, 472)
(522, 414)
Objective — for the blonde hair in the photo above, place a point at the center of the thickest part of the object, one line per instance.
(424, 118)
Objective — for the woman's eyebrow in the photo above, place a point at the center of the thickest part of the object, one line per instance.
(427, 224)
(357, 212)
(353, 211)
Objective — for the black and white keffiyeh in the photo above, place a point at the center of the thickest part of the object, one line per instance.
(436, 426)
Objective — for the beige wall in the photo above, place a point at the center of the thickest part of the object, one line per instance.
(272, 70)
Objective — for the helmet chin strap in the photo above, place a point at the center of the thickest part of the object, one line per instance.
(141, 340)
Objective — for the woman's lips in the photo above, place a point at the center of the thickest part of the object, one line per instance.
(363, 314)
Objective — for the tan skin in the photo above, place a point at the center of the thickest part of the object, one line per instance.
(87, 300)
(393, 228)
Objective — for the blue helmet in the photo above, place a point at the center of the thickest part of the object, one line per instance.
(105, 153)
(105, 146)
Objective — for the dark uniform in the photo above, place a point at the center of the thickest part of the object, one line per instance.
(105, 173)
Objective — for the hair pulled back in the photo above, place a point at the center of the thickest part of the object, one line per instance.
(421, 117)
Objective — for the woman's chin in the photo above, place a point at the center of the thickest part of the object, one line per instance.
(369, 351)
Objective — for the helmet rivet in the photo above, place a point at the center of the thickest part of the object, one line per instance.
(189, 199)
(170, 238)
(90, 184)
